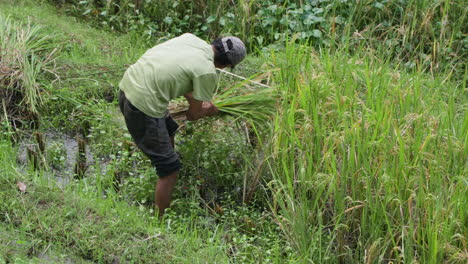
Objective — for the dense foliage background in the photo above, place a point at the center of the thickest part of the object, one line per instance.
(419, 33)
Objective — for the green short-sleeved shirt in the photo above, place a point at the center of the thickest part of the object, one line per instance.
(169, 70)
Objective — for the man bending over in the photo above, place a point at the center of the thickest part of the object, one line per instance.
(182, 66)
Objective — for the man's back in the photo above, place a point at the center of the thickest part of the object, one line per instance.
(169, 70)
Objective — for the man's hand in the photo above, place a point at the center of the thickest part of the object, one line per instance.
(209, 109)
(198, 109)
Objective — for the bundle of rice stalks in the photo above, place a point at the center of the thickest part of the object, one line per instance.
(25, 51)
(241, 100)
(256, 105)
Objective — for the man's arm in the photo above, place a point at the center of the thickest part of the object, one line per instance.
(198, 109)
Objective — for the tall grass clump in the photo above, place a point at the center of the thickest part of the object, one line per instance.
(25, 53)
(368, 163)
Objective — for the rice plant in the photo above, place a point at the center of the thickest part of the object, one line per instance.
(256, 104)
(368, 162)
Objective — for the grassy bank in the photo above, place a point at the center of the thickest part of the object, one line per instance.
(76, 222)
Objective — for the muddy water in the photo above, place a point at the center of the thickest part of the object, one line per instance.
(62, 147)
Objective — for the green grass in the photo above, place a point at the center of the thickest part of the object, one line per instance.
(80, 223)
(79, 42)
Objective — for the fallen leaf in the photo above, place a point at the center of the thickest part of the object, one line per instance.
(219, 209)
(21, 186)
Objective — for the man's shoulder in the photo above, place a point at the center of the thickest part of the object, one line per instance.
(191, 36)
(186, 39)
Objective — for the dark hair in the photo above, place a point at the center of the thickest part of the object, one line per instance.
(220, 55)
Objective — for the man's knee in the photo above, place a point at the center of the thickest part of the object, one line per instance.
(172, 177)
(163, 170)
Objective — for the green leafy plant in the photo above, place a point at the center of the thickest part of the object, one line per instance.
(56, 155)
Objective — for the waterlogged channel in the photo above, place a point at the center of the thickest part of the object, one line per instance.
(64, 155)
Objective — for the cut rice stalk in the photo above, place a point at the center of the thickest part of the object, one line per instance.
(240, 101)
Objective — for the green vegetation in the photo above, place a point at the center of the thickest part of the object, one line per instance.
(425, 33)
(356, 154)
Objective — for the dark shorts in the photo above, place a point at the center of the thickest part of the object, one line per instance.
(152, 136)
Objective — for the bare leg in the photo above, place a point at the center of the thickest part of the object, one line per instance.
(164, 188)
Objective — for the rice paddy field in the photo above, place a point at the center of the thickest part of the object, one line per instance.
(342, 138)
